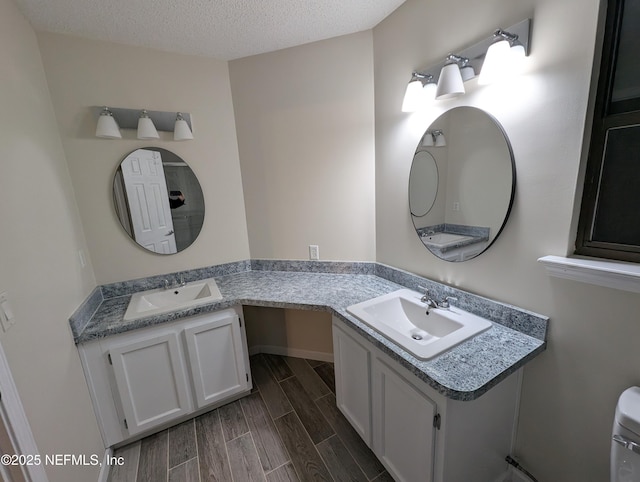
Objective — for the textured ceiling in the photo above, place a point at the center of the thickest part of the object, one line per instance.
(223, 29)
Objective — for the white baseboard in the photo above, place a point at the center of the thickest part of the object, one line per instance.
(104, 470)
(294, 352)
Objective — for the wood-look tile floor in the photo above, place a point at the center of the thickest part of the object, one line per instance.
(289, 429)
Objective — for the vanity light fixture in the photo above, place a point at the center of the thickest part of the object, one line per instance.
(502, 57)
(107, 126)
(147, 123)
(146, 129)
(457, 69)
(181, 130)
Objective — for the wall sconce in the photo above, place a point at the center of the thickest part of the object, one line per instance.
(420, 90)
(450, 82)
(457, 69)
(107, 126)
(147, 123)
(181, 131)
(439, 138)
(146, 129)
(434, 138)
(503, 56)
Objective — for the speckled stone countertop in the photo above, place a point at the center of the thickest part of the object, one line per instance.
(462, 373)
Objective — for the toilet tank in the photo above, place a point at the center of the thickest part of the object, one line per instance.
(625, 443)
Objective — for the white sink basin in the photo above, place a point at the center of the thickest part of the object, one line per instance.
(443, 240)
(161, 300)
(401, 317)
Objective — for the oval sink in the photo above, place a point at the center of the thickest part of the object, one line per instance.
(161, 300)
(402, 317)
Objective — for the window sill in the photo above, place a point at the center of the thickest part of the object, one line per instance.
(611, 274)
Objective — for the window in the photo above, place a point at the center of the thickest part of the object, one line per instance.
(609, 225)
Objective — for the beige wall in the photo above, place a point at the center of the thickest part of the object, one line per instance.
(305, 126)
(40, 269)
(303, 332)
(570, 391)
(82, 73)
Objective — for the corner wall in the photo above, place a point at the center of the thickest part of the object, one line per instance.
(570, 391)
(305, 124)
(40, 269)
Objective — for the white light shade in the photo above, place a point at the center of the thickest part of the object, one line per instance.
(429, 92)
(146, 129)
(467, 73)
(107, 126)
(181, 131)
(427, 140)
(440, 140)
(450, 82)
(501, 61)
(413, 96)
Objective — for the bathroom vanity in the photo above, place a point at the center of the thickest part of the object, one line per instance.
(154, 377)
(447, 416)
(416, 432)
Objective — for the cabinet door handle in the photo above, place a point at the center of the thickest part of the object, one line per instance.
(627, 443)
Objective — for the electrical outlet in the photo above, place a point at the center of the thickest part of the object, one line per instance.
(456, 206)
(314, 252)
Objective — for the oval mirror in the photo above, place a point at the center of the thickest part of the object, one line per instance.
(158, 200)
(423, 183)
(474, 181)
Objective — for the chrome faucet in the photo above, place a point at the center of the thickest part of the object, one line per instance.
(431, 303)
(178, 283)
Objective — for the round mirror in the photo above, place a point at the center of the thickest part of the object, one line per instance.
(423, 183)
(158, 200)
(469, 189)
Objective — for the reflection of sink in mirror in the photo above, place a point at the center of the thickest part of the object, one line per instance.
(442, 240)
(161, 300)
(401, 316)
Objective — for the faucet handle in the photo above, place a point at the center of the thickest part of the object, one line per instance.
(445, 303)
(425, 296)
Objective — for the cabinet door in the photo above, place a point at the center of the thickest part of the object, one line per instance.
(403, 432)
(353, 375)
(151, 380)
(216, 357)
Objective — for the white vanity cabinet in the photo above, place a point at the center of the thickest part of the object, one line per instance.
(352, 362)
(403, 425)
(418, 434)
(150, 379)
(153, 377)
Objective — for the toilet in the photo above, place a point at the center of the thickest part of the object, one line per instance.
(625, 443)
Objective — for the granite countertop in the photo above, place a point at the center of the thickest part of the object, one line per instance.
(462, 373)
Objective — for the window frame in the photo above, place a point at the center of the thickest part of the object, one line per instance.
(606, 115)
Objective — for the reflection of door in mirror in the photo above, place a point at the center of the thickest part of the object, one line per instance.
(148, 201)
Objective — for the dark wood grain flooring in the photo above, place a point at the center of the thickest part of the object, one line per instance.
(288, 430)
